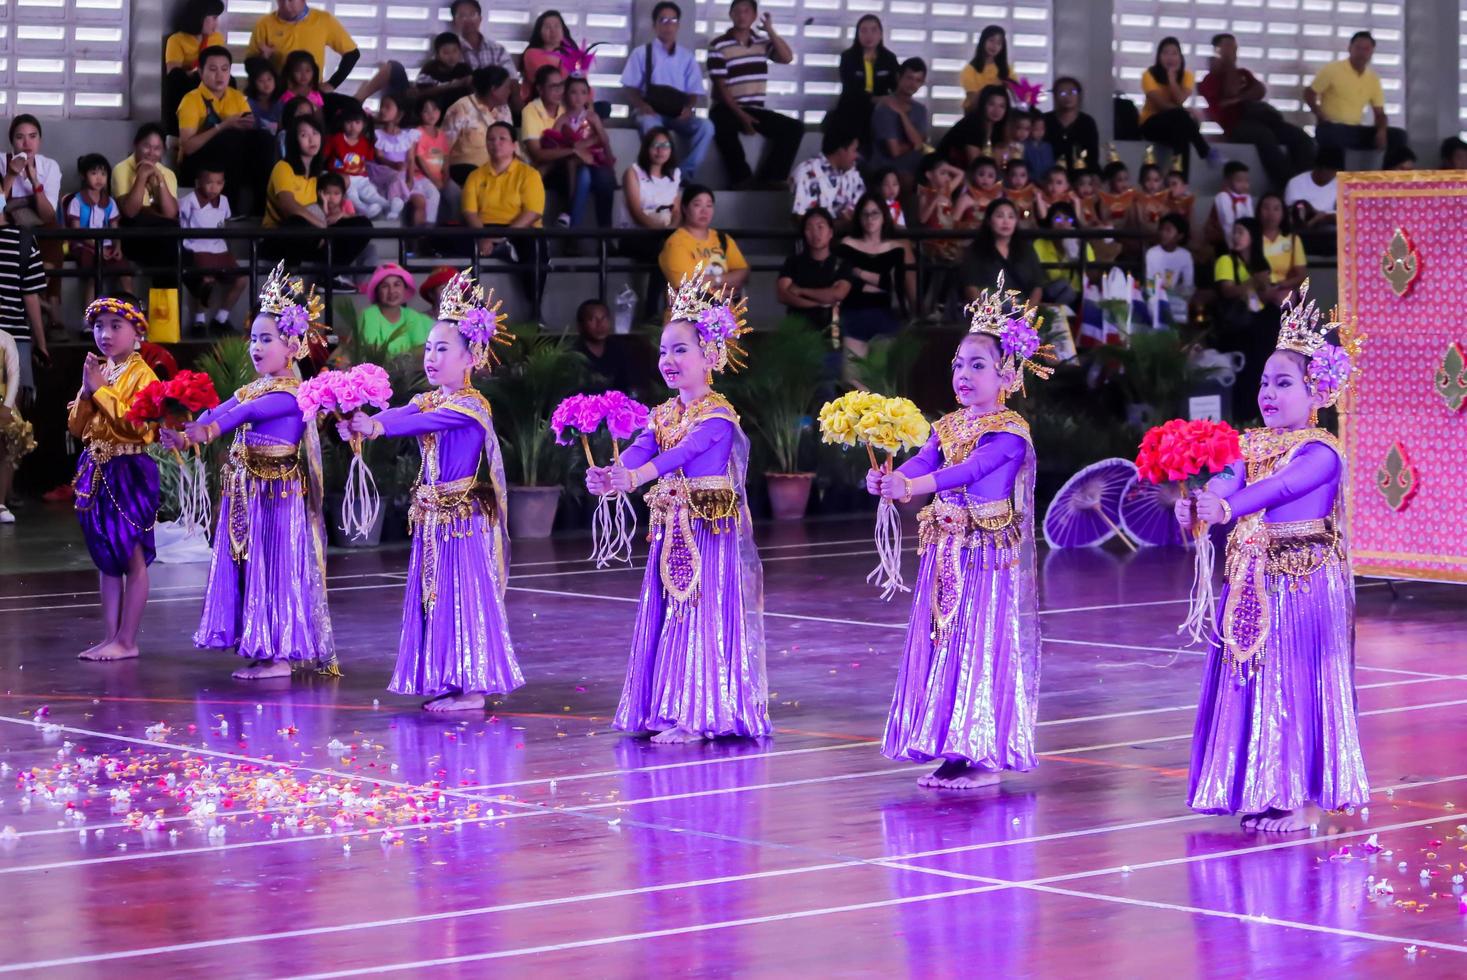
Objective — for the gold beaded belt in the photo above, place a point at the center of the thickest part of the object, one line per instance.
(267, 461)
(104, 451)
(247, 471)
(441, 510)
(1281, 530)
(675, 501)
(990, 528)
(711, 498)
(1264, 559)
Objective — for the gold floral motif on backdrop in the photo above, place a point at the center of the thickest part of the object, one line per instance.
(1451, 377)
(1400, 264)
(1396, 479)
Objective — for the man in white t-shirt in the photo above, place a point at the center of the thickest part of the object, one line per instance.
(1315, 189)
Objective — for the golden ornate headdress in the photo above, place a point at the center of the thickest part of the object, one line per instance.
(296, 310)
(464, 303)
(1303, 329)
(1149, 160)
(1002, 315)
(718, 313)
(117, 307)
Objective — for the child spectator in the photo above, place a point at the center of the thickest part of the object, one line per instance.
(1038, 153)
(302, 78)
(1179, 197)
(1087, 190)
(1151, 199)
(215, 284)
(942, 204)
(94, 207)
(1057, 190)
(262, 92)
(445, 78)
(1062, 286)
(1232, 202)
(899, 125)
(389, 321)
(429, 167)
(592, 173)
(1017, 188)
(331, 188)
(1169, 265)
(1118, 197)
(348, 153)
(394, 145)
(1016, 130)
(889, 187)
(983, 187)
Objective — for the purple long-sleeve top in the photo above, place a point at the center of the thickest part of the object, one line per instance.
(1303, 490)
(274, 416)
(988, 473)
(460, 437)
(704, 451)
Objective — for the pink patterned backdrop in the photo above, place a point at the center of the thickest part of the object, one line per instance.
(1397, 403)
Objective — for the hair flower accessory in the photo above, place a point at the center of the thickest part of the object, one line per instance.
(716, 311)
(1018, 339)
(464, 303)
(1304, 329)
(1329, 370)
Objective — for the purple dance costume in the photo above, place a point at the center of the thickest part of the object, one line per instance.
(455, 634)
(116, 480)
(266, 594)
(1276, 725)
(968, 686)
(697, 659)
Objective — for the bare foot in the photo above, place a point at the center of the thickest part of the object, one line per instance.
(455, 702)
(1250, 820)
(1283, 821)
(676, 736)
(89, 651)
(258, 669)
(111, 650)
(953, 774)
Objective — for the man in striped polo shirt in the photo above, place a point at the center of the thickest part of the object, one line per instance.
(738, 64)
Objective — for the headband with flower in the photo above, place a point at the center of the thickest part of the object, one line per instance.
(117, 307)
(998, 313)
(718, 315)
(1303, 329)
(296, 310)
(464, 304)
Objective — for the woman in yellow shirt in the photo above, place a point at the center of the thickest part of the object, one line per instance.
(698, 243)
(291, 201)
(990, 66)
(1284, 251)
(1165, 118)
(195, 28)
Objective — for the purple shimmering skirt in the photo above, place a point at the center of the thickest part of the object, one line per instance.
(117, 505)
(968, 693)
(692, 665)
(266, 594)
(460, 642)
(1288, 735)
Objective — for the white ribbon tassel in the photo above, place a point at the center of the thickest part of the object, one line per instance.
(1200, 626)
(613, 527)
(887, 575)
(361, 503)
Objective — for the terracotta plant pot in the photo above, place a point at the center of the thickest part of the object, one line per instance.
(789, 494)
(532, 511)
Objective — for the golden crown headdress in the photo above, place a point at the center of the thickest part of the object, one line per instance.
(1001, 314)
(296, 310)
(1332, 369)
(1149, 159)
(464, 303)
(718, 313)
(1299, 324)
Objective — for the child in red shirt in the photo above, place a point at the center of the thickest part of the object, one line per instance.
(347, 153)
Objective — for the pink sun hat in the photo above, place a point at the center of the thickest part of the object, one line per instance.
(382, 272)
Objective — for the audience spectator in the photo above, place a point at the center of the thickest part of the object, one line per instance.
(663, 84)
(738, 66)
(22, 281)
(591, 167)
(995, 251)
(446, 77)
(814, 280)
(609, 362)
(883, 277)
(975, 134)
(468, 120)
(942, 204)
(1283, 251)
(195, 27)
(147, 197)
(1399, 158)
(889, 191)
(215, 284)
(1338, 97)
(389, 321)
(1071, 131)
(432, 288)
(1235, 102)
(1170, 266)
(288, 113)
(1454, 153)
(830, 180)
(291, 201)
(16, 434)
(983, 186)
(1018, 188)
(697, 243)
(552, 158)
(263, 92)
(292, 26)
(428, 169)
(502, 193)
(651, 198)
(348, 152)
(1165, 118)
(31, 187)
(868, 71)
(478, 50)
(1311, 197)
(547, 37)
(989, 66)
(302, 78)
(216, 130)
(1061, 285)
(1242, 322)
(1234, 201)
(394, 145)
(899, 126)
(93, 206)
(1038, 154)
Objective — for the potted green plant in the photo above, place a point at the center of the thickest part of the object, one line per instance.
(538, 371)
(776, 397)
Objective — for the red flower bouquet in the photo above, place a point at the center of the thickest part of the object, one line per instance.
(172, 404)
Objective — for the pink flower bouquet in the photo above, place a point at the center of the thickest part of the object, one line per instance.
(340, 394)
(583, 415)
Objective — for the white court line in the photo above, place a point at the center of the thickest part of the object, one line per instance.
(158, 588)
(1202, 653)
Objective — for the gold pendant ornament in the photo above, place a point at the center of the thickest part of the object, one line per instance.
(1397, 480)
(1451, 377)
(1400, 264)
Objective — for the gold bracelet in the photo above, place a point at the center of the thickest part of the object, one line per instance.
(907, 481)
(1227, 510)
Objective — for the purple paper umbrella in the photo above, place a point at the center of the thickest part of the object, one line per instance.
(1087, 510)
(1146, 513)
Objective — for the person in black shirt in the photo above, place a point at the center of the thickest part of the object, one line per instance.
(851, 116)
(606, 360)
(977, 133)
(995, 250)
(815, 280)
(1071, 132)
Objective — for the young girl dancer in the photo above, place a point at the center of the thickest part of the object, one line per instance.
(697, 661)
(1276, 727)
(266, 595)
(116, 480)
(968, 686)
(455, 645)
